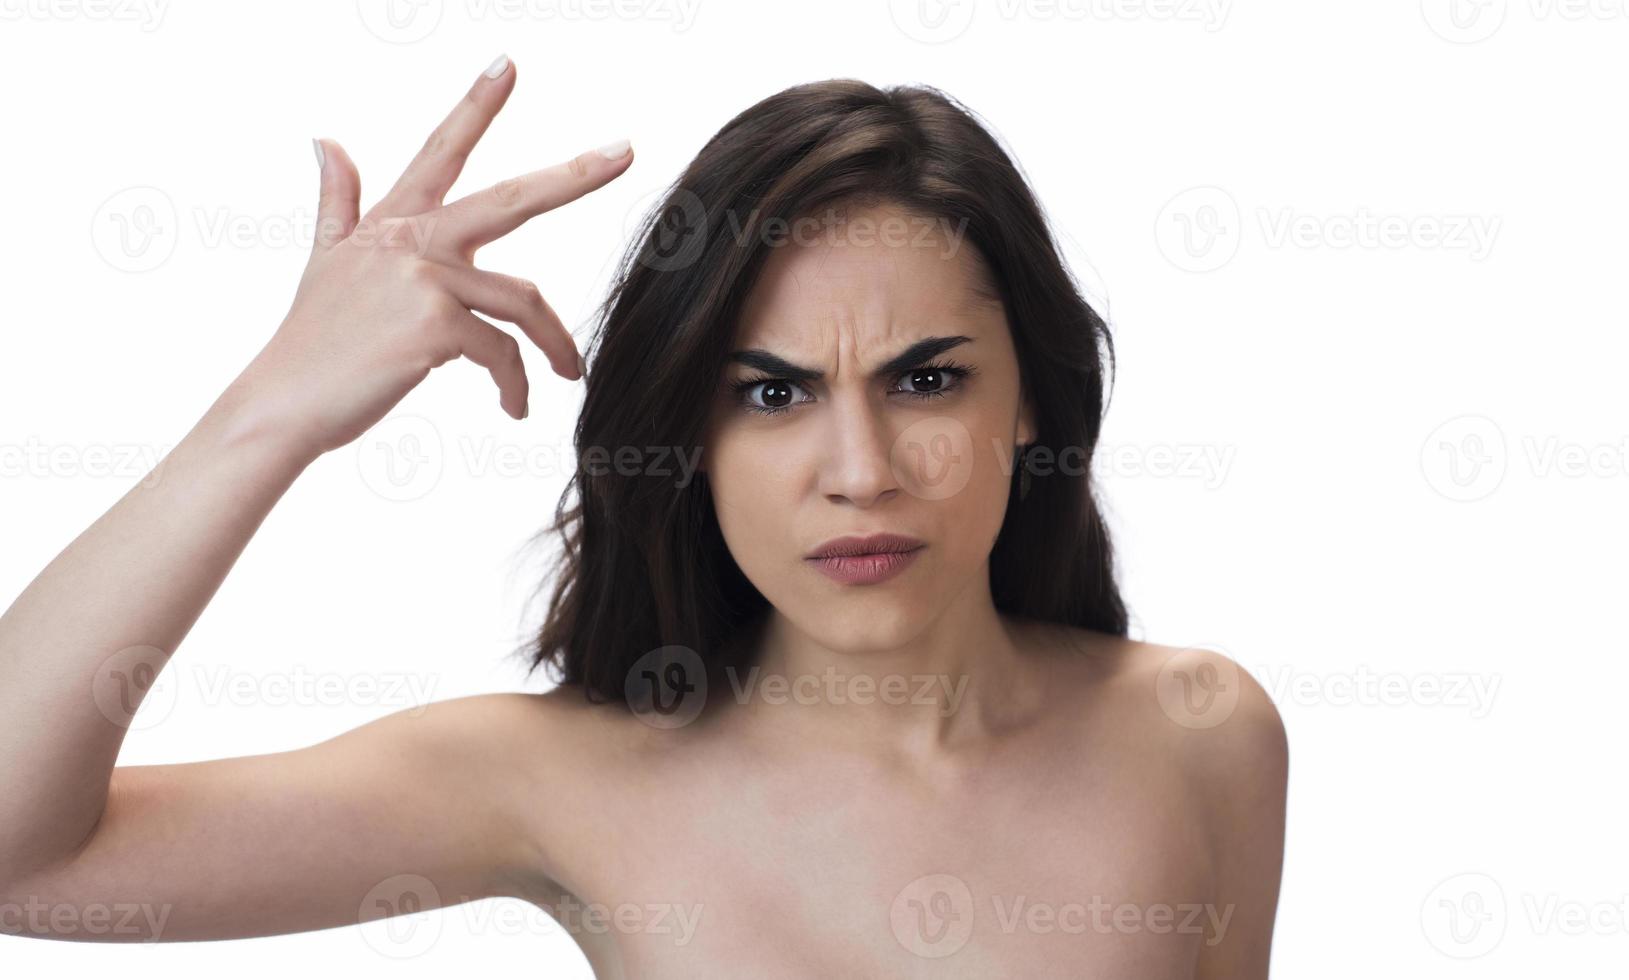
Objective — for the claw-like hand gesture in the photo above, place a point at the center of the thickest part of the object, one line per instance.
(388, 296)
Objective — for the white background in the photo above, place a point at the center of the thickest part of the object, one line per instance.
(1364, 263)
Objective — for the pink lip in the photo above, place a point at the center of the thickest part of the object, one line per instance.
(864, 569)
(866, 560)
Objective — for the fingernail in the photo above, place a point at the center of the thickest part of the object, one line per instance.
(525, 410)
(582, 367)
(316, 144)
(497, 67)
(613, 151)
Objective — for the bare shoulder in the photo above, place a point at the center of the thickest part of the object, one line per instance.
(1199, 711)
(1190, 710)
(1195, 701)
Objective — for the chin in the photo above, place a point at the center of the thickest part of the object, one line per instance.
(862, 621)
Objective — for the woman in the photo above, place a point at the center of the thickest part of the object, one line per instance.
(852, 697)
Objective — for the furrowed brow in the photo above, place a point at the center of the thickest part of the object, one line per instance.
(918, 353)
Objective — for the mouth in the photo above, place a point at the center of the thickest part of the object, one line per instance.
(854, 560)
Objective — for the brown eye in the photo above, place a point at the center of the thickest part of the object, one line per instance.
(924, 380)
(776, 394)
(933, 380)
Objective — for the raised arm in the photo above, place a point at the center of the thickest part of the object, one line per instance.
(294, 840)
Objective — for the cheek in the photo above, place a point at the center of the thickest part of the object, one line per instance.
(753, 488)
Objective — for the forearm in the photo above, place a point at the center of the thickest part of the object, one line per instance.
(139, 576)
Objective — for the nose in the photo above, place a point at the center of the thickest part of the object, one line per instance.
(856, 465)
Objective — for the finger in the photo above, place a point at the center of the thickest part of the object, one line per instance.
(519, 302)
(340, 190)
(499, 353)
(487, 215)
(430, 174)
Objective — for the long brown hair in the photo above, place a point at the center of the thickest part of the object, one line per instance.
(643, 564)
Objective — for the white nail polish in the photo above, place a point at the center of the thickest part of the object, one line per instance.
(613, 151)
(497, 67)
(316, 144)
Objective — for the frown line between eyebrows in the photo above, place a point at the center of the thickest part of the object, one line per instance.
(918, 353)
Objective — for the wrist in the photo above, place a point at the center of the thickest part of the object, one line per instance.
(241, 422)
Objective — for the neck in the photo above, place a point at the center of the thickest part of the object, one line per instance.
(962, 680)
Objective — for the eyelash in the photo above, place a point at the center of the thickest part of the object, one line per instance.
(957, 373)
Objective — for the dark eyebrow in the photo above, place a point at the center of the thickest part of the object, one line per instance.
(914, 355)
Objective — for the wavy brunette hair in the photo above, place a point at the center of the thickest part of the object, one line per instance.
(644, 564)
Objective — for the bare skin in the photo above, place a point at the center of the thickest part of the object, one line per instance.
(1094, 826)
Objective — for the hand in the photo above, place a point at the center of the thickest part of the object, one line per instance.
(387, 297)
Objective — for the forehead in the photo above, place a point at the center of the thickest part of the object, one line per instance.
(871, 272)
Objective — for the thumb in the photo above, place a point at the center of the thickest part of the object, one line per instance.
(339, 196)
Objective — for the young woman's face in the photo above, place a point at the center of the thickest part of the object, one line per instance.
(863, 443)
